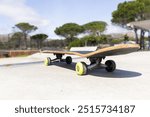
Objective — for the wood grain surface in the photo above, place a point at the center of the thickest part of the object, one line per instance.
(108, 51)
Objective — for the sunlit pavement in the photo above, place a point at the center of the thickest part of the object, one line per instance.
(28, 78)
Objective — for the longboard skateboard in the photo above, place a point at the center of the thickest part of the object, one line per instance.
(95, 57)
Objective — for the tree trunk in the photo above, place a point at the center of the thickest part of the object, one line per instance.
(142, 45)
(148, 40)
(25, 41)
(136, 36)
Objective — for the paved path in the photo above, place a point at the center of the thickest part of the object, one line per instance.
(28, 78)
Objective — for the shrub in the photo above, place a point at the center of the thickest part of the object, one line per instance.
(76, 43)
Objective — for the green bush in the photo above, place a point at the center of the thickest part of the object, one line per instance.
(102, 39)
(95, 40)
(116, 41)
(89, 40)
(76, 43)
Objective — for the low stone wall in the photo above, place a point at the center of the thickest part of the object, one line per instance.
(15, 53)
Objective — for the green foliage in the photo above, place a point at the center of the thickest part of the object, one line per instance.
(17, 36)
(16, 39)
(39, 38)
(26, 27)
(116, 41)
(131, 11)
(146, 4)
(95, 28)
(103, 39)
(126, 38)
(76, 43)
(3, 45)
(146, 9)
(128, 12)
(90, 40)
(94, 40)
(69, 31)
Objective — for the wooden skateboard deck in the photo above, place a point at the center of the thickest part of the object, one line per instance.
(108, 51)
(95, 57)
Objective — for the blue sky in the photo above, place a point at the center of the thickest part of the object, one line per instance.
(49, 14)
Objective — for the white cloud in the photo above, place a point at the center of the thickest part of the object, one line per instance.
(115, 29)
(18, 11)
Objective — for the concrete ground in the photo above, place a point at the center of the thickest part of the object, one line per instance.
(28, 78)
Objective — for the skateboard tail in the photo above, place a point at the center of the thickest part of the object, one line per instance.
(114, 50)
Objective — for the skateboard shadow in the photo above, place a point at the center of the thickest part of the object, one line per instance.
(118, 73)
